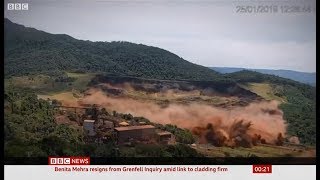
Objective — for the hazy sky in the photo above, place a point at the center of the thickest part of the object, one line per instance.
(210, 33)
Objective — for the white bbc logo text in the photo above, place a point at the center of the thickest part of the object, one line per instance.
(18, 6)
(60, 161)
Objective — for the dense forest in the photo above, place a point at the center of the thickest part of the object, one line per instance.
(29, 51)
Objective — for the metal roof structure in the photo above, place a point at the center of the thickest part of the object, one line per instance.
(134, 128)
(89, 121)
(164, 133)
(124, 124)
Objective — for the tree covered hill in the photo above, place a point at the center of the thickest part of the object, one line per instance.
(30, 51)
(303, 77)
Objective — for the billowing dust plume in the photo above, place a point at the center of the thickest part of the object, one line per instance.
(242, 126)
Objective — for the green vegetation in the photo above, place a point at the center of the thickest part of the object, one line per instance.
(29, 51)
(182, 135)
(30, 129)
(300, 105)
(300, 113)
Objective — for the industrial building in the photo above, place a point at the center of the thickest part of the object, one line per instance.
(137, 133)
(104, 124)
(88, 127)
(164, 137)
(108, 124)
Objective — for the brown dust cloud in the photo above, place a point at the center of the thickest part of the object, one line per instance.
(242, 126)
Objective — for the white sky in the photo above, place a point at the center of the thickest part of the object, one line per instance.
(210, 33)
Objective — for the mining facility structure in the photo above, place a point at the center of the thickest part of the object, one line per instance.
(142, 133)
(139, 133)
(99, 128)
(88, 127)
(129, 134)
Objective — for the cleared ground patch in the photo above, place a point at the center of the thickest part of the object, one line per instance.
(265, 90)
(32, 82)
(67, 98)
(82, 80)
(44, 84)
(181, 98)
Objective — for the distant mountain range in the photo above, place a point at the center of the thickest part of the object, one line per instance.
(303, 77)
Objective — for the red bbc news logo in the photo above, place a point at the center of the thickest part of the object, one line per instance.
(68, 160)
(261, 168)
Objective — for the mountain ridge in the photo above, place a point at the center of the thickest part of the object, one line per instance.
(29, 50)
(303, 77)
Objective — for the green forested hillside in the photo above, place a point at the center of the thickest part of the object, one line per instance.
(29, 51)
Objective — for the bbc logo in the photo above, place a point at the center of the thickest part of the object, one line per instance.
(18, 6)
(72, 160)
(59, 160)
